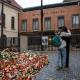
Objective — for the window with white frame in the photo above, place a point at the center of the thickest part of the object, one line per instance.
(47, 23)
(24, 26)
(75, 21)
(35, 24)
(61, 21)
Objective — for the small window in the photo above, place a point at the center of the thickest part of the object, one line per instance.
(47, 23)
(75, 21)
(35, 24)
(61, 21)
(24, 26)
(12, 22)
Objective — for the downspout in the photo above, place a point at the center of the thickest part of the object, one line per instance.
(18, 35)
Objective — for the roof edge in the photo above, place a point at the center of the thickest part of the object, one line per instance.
(51, 6)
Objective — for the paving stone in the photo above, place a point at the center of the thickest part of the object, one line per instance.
(49, 72)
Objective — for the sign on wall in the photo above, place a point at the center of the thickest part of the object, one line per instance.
(44, 40)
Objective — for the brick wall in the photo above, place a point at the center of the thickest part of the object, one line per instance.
(66, 11)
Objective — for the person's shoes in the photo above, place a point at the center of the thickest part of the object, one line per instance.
(59, 68)
(65, 68)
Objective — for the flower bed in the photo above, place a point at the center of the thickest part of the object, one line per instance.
(21, 66)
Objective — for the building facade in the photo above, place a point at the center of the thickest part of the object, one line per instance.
(11, 10)
(54, 16)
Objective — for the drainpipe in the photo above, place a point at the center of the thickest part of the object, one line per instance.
(41, 23)
(18, 35)
(2, 25)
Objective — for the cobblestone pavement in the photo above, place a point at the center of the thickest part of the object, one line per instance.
(49, 72)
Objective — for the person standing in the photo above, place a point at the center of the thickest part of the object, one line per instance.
(67, 39)
(61, 58)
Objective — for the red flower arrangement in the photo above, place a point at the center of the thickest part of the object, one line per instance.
(22, 67)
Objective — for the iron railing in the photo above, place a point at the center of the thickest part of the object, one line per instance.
(74, 43)
(34, 43)
(9, 42)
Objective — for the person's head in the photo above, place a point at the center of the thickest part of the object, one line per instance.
(64, 28)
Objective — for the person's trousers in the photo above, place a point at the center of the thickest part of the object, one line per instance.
(61, 58)
(67, 56)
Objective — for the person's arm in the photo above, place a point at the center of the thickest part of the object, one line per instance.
(69, 32)
(66, 34)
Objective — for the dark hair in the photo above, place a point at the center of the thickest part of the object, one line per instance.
(64, 28)
(59, 27)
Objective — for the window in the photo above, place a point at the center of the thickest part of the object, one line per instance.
(35, 24)
(12, 22)
(24, 26)
(47, 23)
(75, 21)
(61, 21)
